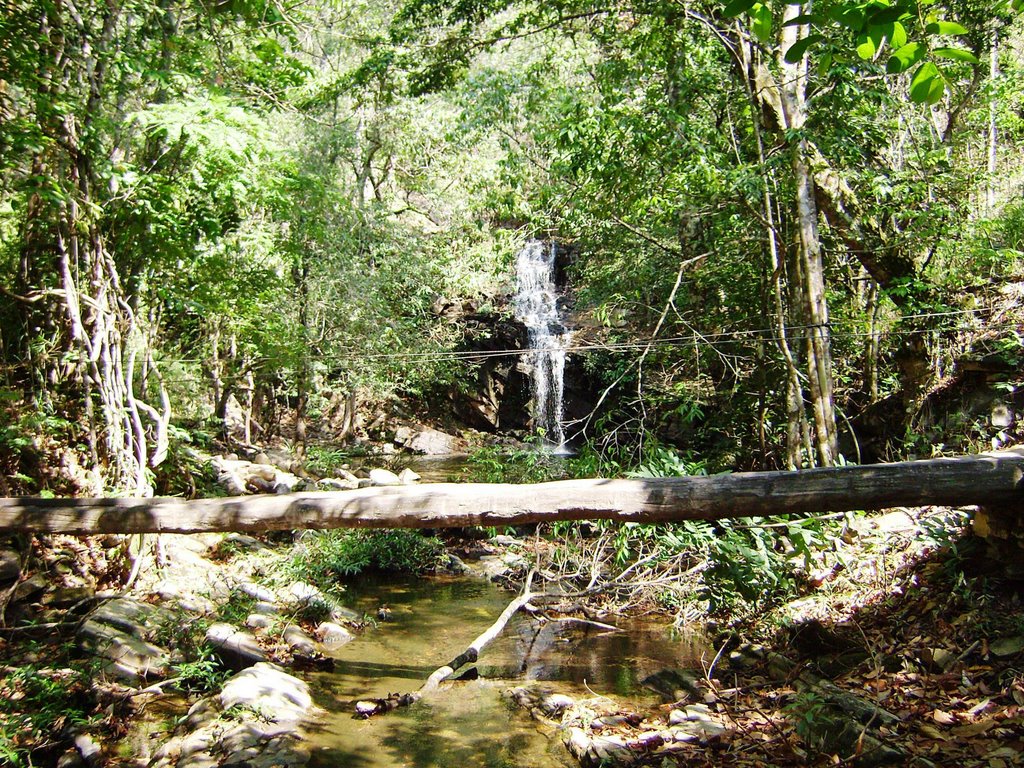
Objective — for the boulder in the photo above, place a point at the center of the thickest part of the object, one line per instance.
(236, 648)
(408, 477)
(384, 477)
(433, 442)
(120, 631)
(333, 635)
(266, 687)
(30, 588)
(300, 643)
(10, 565)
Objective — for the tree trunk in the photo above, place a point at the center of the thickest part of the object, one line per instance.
(990, 478)
(819, 358)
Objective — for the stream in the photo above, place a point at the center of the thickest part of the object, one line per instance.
(469, 723)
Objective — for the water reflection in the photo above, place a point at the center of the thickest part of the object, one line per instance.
(469, 723)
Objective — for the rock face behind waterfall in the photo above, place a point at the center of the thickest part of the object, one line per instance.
(498, 398)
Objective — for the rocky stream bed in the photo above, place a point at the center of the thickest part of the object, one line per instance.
(905, 651)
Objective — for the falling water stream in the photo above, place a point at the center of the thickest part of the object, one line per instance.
(536, 306)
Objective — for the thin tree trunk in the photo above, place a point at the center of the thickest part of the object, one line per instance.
(819, 360)
(993, 136)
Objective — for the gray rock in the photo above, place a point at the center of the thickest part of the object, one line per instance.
(258, 621)
(257, 592)
(341, 613)
(10, 565)
(30, 588)
(133, 616)
(129, 657)
(286, 483)
(333, 635)
(88, 748)
(299, 641)
(245, 542)
(1007, 646)
(267, 688)
(408, 477)
(555, 704)
(66, 597)
(337, 484)
(433, 442)
(384, 477)
(236, 648)
(1002, 417)
(306, 594)
(403, 435)
(265, 608)
(262, 458)
(364, 482)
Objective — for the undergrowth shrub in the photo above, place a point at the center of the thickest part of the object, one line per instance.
(322, 557)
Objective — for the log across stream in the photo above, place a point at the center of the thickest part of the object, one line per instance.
(987, 479)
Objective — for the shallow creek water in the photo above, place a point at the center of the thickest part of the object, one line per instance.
(468, 723)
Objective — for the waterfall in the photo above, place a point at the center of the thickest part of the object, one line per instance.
(536, 306)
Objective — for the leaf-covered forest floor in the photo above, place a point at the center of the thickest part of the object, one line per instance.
(909, 652)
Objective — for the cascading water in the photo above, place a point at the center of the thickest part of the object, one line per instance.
(536, 306)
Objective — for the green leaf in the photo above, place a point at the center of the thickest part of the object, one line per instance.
(956, 54)
(1017, 5)
(761, 24)
(851, 18)
(897, 35)
(866, 47)
(887, 16)
(921, 85)
(945, 28)
(824, 65)
(936, 90)
(737, 7)
(905, 57)
(799, 48)
(806, 18)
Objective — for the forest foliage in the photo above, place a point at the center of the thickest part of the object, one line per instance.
(792, 227)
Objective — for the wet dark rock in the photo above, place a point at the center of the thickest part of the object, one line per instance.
(31, 588)
(674, 684)
(10, 565)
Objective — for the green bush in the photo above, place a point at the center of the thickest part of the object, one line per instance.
(324, 556)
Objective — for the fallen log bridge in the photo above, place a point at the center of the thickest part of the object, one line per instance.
(994, 479)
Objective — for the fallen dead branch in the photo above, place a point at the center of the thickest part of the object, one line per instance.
(371, 707)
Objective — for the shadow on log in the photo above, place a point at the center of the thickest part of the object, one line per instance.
(989, 478)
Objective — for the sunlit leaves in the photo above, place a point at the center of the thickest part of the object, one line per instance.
(928, 84)
(761, 22)
(907, 33)
(906, 57)
(945, 28)
(956, 54)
